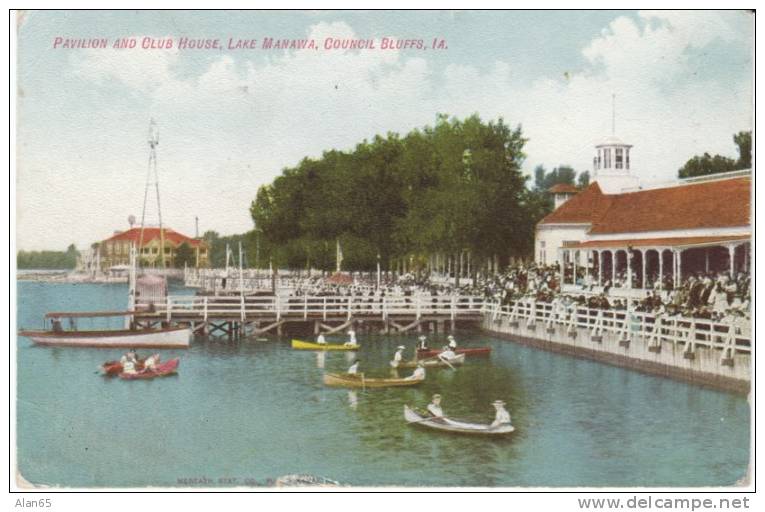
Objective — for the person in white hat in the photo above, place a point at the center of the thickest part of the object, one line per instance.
(423, 343)
(351, 338)
(434, 407)
(398, 356)
(452, 342)
(502, 417)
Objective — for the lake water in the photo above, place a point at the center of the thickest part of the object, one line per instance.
(242, 413)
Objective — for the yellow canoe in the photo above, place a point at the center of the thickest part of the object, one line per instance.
(345, 380)
(307, 345)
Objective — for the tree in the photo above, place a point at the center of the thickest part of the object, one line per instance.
(583, 180)
(445, 188)
(561, 175)
(744, 142)
(184, 256)
(706, 164)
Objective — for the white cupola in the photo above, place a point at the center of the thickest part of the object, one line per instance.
(611, 166)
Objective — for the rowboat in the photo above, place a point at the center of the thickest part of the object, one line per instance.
(308, 345)
(457, 426)
(432, 363)
(114, 368)
(469, 352)
(55, 335)
(162, 370)
(346, 380)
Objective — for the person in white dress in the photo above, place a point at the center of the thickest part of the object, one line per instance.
(151, 363)
(418, 374)
(128, 367)
(351, 338)
(434, 407)
(501, 417)
(452, 342)
(354, 368)
(320, 339)
(398, 356)
(447, 354)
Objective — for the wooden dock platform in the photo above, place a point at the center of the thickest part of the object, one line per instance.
(236, 316)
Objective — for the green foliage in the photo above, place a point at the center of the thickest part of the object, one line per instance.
(184, 256)
(443, 188)
(562, 175)
(47, 259)
(541, 201)
(583, 180)
(706, 164)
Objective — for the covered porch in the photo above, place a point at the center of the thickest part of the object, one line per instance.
(630, 266)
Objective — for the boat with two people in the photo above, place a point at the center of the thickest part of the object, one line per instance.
(435, 419)
(353, 379)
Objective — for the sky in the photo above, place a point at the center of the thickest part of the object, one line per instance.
(232, 120)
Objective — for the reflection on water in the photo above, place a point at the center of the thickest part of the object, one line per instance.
(259, 410)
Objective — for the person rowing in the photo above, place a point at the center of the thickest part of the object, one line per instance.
(129, 357)
(452, 342)
(434, 407)
(151, 363)
(418, 374)
(128, 366)
(354, 368)
(502, 417)
(320, 339)
(447, 355)
(423, 345)
(351, 339)
(398, 356)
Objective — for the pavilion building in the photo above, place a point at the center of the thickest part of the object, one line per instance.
(615, 230)
(115, 250)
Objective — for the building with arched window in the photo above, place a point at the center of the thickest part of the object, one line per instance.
(615, 230)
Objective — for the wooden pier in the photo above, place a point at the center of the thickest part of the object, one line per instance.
(238, 316)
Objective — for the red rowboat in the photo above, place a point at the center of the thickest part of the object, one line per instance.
(469, 352)
(114, 368)
(167, 368)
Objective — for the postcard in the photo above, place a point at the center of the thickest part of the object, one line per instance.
(501, 250)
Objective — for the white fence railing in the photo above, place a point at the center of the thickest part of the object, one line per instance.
(687, 332)
(453, 307)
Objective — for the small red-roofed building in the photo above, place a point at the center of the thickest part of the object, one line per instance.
(115, 250)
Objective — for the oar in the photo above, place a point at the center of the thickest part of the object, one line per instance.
(428, 418)
(363, 383)
(448, 364)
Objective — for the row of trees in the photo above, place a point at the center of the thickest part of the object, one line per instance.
(47, 259)
(702, 165)
(456, 186)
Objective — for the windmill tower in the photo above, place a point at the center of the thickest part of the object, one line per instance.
(152, 178)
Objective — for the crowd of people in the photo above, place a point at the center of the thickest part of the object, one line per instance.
(710, 295)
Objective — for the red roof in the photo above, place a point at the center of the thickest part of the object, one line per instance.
(714, 204)
(563, 188)
(149, 234)
(582, 208)
(657, 242)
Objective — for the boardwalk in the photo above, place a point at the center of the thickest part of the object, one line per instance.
(243, 315)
